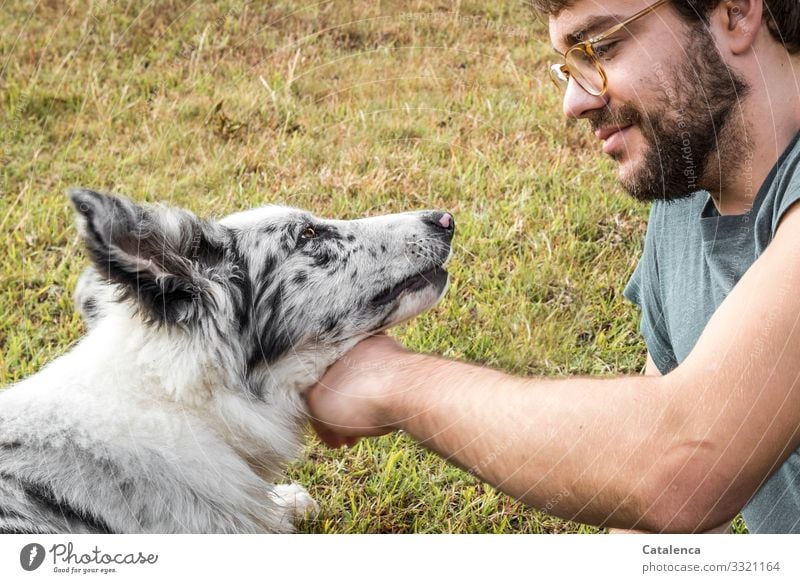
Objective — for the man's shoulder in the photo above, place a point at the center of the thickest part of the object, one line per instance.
(781, 190)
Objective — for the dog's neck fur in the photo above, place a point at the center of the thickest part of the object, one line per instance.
(124, 359)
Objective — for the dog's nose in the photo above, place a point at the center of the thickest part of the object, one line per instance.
(443, 220)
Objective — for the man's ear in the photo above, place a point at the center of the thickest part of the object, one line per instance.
(160, 257)
(740, 21)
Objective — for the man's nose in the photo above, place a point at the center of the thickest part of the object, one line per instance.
(578, 102)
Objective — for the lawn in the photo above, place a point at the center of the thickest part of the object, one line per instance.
(347, 109)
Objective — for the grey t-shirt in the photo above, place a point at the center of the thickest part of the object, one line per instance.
(692, 258)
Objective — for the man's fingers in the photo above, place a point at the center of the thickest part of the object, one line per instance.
(331, 438)
(334, 440)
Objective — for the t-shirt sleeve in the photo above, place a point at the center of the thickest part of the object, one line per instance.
(789, 188)
(644, 290)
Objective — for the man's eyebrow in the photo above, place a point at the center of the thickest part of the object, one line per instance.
(590, 27)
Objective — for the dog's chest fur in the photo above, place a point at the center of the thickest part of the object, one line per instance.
(146, 424)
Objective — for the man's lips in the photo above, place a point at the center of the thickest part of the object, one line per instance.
(613, 137)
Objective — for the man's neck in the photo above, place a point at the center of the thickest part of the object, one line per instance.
(772, 119)
(749, 172)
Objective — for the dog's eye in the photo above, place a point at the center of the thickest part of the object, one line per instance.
(309, 233)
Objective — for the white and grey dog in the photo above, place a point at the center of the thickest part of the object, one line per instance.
(179, 408)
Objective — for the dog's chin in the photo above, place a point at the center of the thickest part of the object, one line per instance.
(419, 294)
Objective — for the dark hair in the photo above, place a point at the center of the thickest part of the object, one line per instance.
(782, 17)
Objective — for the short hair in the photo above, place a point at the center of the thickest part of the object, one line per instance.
(782, 17)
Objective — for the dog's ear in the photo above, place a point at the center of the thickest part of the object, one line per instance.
(161, 257)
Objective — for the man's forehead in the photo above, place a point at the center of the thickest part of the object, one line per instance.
(586, 18)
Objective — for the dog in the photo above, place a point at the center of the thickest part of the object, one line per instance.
(180, 407)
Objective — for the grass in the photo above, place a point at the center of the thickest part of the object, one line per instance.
(347, 109)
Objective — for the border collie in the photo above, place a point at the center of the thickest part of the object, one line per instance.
(179, 409)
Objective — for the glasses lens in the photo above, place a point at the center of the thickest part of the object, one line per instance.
(586, 71)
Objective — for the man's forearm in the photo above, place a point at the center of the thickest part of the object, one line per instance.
(593, 450)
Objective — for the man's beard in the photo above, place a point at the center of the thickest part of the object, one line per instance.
(690, 132)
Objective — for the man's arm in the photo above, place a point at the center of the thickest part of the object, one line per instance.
(650, 370)
(680, 452)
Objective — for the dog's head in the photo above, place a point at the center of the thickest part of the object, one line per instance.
(269, 282)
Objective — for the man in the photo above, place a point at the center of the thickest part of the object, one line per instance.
(698, 103)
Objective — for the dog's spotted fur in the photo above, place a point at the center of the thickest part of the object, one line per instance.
(179, 408)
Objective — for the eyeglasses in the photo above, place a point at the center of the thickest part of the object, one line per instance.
(582, 62)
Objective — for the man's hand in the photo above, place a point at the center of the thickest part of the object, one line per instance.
(353, 398)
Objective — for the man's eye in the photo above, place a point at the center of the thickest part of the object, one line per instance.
(604, 50)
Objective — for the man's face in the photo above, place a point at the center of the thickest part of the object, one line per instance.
(666, 117)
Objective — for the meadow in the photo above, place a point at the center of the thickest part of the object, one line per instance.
(347, 109)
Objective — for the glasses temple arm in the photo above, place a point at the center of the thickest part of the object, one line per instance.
(625, 23)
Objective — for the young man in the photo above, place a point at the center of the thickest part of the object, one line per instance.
(698, 101)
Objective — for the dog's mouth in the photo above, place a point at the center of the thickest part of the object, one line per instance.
(434, 277)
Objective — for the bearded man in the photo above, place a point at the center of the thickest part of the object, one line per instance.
(698, 102)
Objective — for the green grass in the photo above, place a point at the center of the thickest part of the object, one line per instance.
(347, 109)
